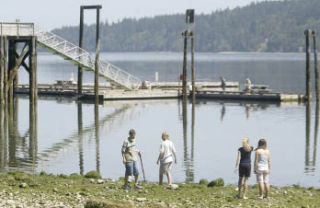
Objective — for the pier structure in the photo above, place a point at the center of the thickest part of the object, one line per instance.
(186, 34)
(18, 48)
(96, 68)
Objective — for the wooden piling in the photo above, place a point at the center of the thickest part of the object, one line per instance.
(79, 82)
(1, 69)
(33, 71)
(316, 68)
(184, 74)
(97, 64)
(5, 68)
(308, 70)
(193, 69)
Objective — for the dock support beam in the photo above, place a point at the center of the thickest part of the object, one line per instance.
(188, 33)
(308, 70)
(97, 62)
(316, 67)
(184, 72)
(1, 69)
(193, 69)
(79, 82)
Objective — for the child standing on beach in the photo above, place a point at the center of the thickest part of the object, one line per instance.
(129, 158)
(262, 165)
(243, 164)
(166, 156)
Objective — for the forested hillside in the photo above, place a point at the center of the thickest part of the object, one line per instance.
(271, 26)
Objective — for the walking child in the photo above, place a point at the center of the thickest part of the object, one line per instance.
(166, 156)
(129, 158)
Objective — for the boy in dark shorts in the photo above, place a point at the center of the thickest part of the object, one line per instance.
(243, 164)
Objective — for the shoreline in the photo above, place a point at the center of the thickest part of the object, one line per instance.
(18, 189)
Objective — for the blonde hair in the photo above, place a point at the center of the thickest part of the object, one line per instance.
(165, 136)
(245, 144)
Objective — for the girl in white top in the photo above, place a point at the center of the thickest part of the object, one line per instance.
(262, 165)
(166, 156)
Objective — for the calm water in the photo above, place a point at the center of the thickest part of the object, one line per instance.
(67, 137)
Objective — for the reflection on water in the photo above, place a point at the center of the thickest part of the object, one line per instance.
(310, 163)
(16, 151)
(210, 131)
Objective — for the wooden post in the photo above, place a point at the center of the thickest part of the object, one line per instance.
(97, 64)
(193, 69)
(81, 46)
(308, 70)
(316, 68)
(5, 68)
(33, 89)
(1, 69)
(184, 74)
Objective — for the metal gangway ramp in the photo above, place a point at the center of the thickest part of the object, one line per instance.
(82, 58)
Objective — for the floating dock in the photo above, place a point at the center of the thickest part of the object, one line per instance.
(164, 90)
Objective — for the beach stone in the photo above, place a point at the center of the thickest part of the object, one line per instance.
(23, 185)
(173, 187)
(100, 181)
(141, 199)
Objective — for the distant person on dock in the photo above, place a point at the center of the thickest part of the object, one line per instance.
(262, 164)
(223, 83)
(129, 158)
(243, 164)
(248, 86)
(166, 157)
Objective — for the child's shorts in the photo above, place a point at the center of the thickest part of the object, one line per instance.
(165, 167)
(131, 168)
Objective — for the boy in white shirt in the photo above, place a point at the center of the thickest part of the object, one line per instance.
(167, 152)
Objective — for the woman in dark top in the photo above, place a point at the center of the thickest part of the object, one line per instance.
(243, 164)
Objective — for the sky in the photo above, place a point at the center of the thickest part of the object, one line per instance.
(50, 14)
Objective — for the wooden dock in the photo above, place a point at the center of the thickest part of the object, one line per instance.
(255, 96)
(209, 90)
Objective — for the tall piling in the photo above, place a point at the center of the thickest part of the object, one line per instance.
(308, 65)
(184, 73)
(316, 67)
(33, 89)
(97, 62)
(79, 82)
(1, 69)
(5, 69)
(193, 69)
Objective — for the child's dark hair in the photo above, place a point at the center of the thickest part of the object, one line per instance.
(262, 144)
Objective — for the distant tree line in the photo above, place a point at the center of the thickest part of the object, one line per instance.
(270, 26)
